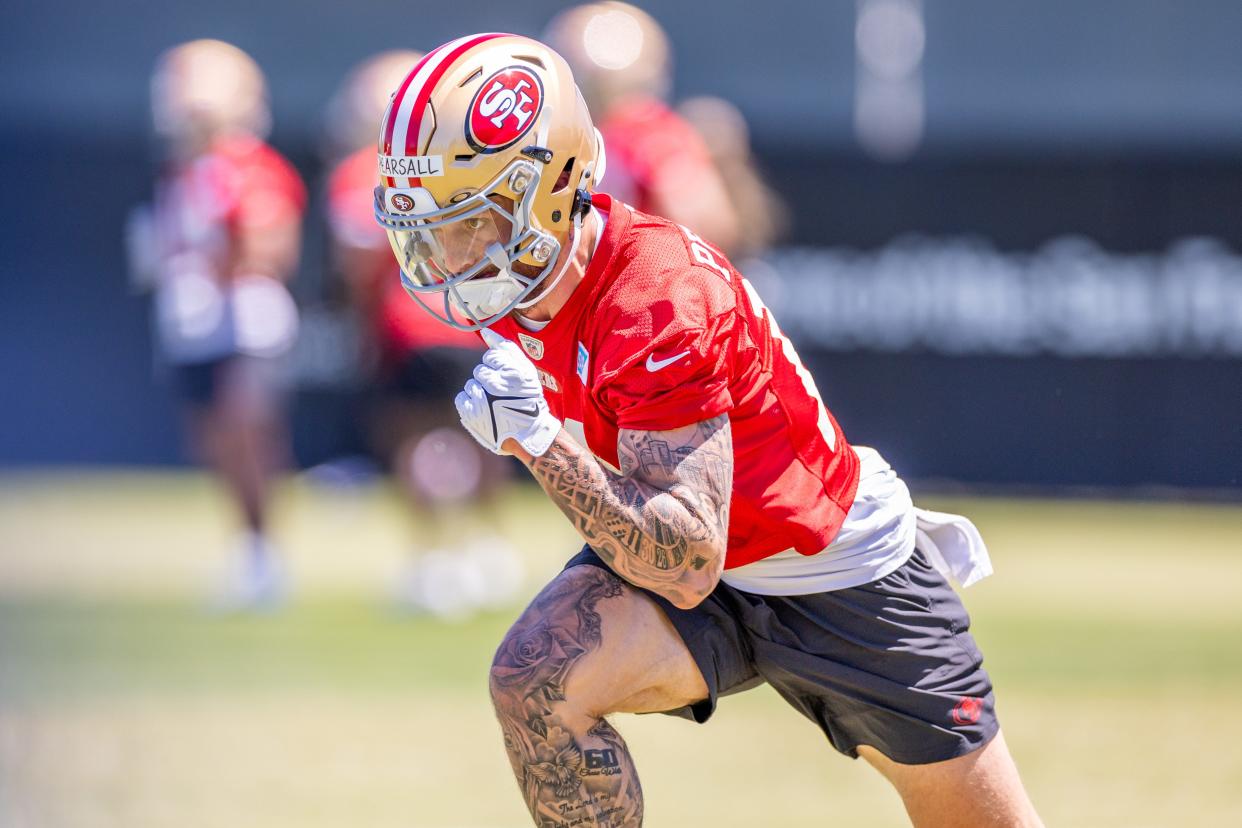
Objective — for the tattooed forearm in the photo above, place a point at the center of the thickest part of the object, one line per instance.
(663, 522)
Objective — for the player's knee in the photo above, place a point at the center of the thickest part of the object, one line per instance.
(496, 686)
(530, 668)
(547, 645)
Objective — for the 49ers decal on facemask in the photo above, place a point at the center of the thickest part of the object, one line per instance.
(505, 107)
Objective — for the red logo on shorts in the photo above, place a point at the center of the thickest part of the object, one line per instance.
(967, 711)
(505, 107)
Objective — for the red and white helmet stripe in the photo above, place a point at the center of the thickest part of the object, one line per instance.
(412, 98)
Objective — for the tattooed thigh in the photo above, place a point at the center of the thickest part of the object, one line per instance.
(589, 645)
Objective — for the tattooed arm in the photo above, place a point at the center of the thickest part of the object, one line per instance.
(663, 523)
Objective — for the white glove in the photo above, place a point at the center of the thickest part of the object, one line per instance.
(505, 399)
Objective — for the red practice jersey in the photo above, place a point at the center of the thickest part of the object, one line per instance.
(401, 326)
(662, 333)
(652, 149)
(240, 181)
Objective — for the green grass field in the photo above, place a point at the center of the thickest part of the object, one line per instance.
(1113, 633)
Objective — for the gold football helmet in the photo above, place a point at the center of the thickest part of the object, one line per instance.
(615, 50)
(204, 89)
(359, 102)
(487, 158)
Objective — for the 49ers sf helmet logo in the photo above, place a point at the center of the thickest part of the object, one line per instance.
(505, 107)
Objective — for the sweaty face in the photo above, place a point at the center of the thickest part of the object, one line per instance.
(466, 243)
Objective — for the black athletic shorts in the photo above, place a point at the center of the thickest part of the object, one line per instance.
(891, 664)
(200, 383)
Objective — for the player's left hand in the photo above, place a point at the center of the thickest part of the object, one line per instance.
(505, 400)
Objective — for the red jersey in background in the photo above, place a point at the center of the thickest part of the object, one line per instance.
(205, 308)
(652, 149)
(400, 325)
(240, 180)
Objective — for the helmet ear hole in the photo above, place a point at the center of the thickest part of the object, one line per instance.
(562, 180)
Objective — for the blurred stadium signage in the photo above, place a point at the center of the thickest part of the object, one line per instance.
(963, 296)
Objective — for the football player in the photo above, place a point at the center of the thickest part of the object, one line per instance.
(733, 535)
(416, 365)
(216, 247)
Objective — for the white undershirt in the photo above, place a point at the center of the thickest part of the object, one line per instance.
(877, 537)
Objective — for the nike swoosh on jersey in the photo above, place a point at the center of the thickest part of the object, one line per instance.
(654, 364)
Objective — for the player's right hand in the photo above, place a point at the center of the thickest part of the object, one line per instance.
(504, 399)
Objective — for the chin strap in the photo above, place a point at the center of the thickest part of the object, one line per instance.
(581, 205)
(576, 232)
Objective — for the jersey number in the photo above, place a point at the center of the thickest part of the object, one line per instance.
(703, 254)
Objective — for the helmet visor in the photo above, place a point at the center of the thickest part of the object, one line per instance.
(466, 253)
(446, 246)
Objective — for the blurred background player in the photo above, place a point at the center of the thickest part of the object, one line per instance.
(692, 163)
(414, 366)
(762, 217)
(657, 162)
(216, 247)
